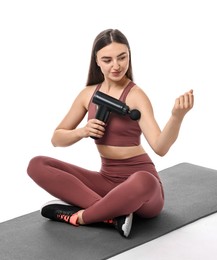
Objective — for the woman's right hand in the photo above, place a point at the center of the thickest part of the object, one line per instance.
(94, 128)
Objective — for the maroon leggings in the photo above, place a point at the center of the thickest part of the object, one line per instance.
(119, 188)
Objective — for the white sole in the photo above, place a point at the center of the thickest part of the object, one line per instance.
(127, 225)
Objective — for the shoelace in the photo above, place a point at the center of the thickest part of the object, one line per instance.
(69, 218)
(64, 216)
(111, 222)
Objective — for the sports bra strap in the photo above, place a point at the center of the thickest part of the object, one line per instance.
(123, 94)
(126, 91)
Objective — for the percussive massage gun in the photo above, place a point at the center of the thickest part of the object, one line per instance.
(107, 104)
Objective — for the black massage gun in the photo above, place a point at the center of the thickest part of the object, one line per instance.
(107, 104)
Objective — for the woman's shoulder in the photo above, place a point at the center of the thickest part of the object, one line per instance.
(86, 94)
(137, 91)
(137, 95)
(87, 90)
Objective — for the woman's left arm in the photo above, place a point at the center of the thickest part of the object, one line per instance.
(162, 140)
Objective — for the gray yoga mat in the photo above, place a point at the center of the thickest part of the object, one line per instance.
(190, 192)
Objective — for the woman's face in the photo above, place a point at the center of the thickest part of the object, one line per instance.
(113, 61)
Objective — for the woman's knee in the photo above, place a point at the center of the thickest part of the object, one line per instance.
(153, 195)
(35, 165)
(145, 182)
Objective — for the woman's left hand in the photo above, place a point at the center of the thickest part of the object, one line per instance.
(183, 104)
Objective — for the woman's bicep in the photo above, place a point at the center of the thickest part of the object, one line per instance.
(147, 122)
(149, 126)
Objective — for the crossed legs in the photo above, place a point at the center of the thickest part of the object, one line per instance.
(100, 198)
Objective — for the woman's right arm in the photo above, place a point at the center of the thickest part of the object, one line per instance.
(68, 132)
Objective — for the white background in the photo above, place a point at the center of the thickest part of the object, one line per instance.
(45, 49)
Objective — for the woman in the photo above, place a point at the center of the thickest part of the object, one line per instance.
(127, 182)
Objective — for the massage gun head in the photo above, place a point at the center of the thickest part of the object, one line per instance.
(135, 114)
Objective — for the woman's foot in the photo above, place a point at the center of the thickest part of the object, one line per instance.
(61, 211)
(123, 224)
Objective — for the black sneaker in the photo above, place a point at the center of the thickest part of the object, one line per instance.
(123, 224)
(59, 211)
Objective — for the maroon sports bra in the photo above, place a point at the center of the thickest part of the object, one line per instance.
(120, 130)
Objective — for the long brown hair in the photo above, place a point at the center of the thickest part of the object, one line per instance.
(103, 39)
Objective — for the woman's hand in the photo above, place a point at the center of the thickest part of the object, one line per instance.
(94, 128)
(183, 104)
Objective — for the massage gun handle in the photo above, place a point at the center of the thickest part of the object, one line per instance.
(102, 114)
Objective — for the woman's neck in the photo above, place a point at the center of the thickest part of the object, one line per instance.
(113, 86)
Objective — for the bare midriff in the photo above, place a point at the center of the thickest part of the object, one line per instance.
(117, 152)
